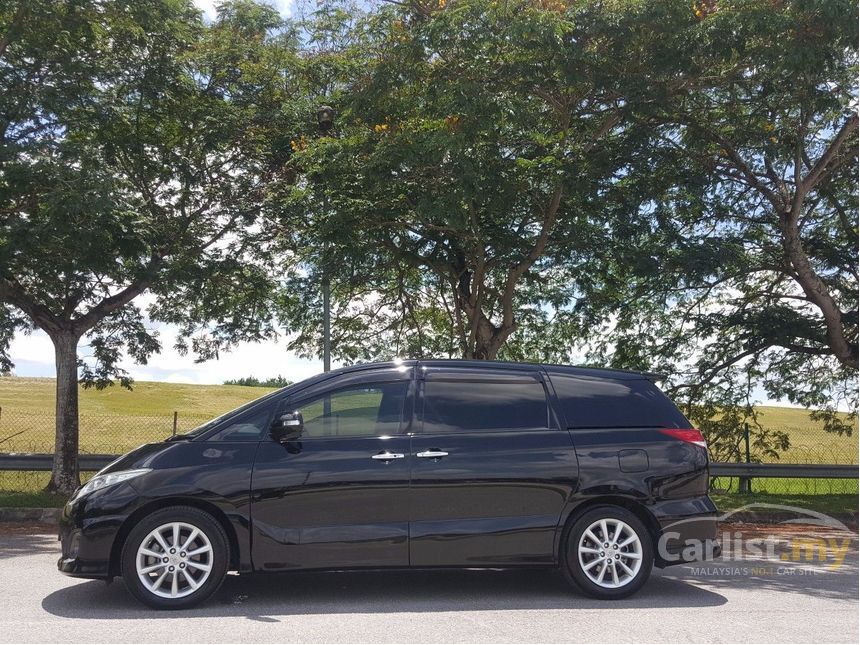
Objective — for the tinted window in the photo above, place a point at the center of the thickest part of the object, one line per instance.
(606, 403)
(246, 427)
(456, 406)
(367, 409)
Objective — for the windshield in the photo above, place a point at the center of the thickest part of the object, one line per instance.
(199, 430)
(202, 429)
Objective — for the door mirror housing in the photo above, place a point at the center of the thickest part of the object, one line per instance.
(288, 426)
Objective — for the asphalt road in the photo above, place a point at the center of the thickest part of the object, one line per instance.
(677, 605)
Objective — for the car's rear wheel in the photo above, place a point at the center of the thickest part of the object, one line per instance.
(607, 552)
(175, 558)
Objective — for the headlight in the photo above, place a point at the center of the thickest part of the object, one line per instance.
(103, 481)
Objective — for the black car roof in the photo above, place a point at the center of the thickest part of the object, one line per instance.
(575, 370)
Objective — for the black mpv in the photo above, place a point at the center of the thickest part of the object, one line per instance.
(407, 464)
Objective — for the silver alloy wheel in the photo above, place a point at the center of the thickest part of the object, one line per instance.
(610, 553)
(174, 560)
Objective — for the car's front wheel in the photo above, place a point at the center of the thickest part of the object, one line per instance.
(607, 553)
(175, 558)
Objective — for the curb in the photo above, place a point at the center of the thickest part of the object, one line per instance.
(43, 515)
(751, 517)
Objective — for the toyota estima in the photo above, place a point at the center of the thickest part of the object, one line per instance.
(408, 464)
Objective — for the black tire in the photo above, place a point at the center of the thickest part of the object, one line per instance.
(218, 560)
(572, 567)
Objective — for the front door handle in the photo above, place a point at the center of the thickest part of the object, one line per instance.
(388, 456)
(432, 454)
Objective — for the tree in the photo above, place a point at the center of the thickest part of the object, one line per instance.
(748, 276)
(705, 159)
(131, 162)
(458, 196)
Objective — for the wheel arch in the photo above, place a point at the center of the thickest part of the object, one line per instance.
(636, 507)
(167, 502)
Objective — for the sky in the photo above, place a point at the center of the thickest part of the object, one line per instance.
(33, 355)
(208, 7)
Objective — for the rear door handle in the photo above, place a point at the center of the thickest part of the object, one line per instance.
(432, 454)
(388, 456)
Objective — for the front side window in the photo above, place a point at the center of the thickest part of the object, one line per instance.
(372, 409)
(457, 406)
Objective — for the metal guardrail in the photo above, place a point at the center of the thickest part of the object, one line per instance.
(798, 471)
(33, 461)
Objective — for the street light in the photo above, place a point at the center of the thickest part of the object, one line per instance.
(325, 120)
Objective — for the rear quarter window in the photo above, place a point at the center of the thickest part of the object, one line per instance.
(465, 406)
(608, 403)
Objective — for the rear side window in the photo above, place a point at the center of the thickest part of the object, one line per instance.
(607, 403)
(458, 406)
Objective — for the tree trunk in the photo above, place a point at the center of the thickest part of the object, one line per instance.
(65, 477)
(817, 293)
(488, 339)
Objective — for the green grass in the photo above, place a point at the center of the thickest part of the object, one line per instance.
(26, 489)
(830, 504)
(36, 396)
(112, 420)
(791, 486)
(809, 443)
(116, 420)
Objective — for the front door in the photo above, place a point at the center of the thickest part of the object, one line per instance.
(338, 495)
(492, 470)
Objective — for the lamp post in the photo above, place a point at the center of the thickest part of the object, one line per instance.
(325, 120)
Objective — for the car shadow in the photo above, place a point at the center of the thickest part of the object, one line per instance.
(822, 580)
(269, 597)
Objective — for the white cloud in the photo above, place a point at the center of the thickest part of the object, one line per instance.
(33, 355)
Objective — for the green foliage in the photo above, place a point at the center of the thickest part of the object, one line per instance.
(252, 381)
(131, 161)
(704, 161)
(456, 203)
(746, 274)
(133, 156)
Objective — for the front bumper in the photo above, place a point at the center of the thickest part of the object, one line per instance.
(74, 564)
(88, 531)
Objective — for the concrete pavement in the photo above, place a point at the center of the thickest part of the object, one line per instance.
(680, 604)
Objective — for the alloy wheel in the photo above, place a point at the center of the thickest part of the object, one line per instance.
(174, 560)
(610, 553)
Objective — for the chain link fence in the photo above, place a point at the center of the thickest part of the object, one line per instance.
(808, 444)
(26, 431)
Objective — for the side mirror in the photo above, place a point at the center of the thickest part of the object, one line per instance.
(288, 426)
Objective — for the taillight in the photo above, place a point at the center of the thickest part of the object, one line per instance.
(690, 435)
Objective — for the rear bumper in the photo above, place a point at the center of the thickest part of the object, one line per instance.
(688, 531)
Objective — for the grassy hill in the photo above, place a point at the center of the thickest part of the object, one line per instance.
(36, 396)
(114, 419)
